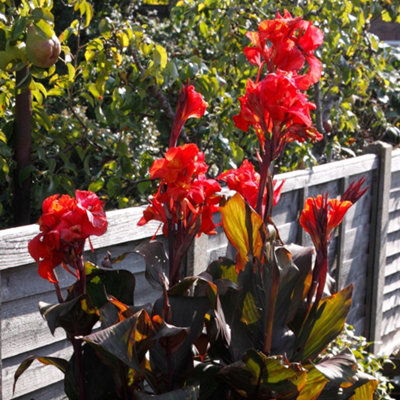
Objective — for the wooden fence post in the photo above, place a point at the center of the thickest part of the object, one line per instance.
(377, 244)
(197, 256)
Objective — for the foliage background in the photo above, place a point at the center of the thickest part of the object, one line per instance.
(103, 112)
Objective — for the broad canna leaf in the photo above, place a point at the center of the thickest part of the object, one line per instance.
(101, 379)
(129, 340)
(339, 368)
(366, 391)
(322, 324)
(156, 260)
(242, 226)
(59, 363)
(314, 385)
(101, 281)
(76, 316)
(262, 377)
(223, 268)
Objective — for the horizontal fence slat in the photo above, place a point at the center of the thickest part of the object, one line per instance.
(37, 376)
(321, 174)
(395, 160)
(391, 321)
(394, 221)
(392, 264)
(122, 226)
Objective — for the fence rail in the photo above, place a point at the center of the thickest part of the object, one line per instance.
(365, 251)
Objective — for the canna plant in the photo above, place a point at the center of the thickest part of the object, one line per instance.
(251, 328)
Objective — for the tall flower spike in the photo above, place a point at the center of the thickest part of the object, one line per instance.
(190, 105)
(319, 218)
(354, 192)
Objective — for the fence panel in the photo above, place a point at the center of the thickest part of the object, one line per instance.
(391, 295)
(24, 332)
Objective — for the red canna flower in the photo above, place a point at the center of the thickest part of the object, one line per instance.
(184, 194)
(321, 215)
(276, 108)
(354, 192)
(286, 43)
(319, 218)
(190, 105)
(65, 225)
(245, 180)
(179, 165)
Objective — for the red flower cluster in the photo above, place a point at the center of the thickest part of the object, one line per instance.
(246, 180)
(190, 105)
(276, 107)
(65, 225)
(286, 43)
(185, 196)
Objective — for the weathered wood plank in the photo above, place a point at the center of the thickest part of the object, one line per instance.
(395, 160)
(393, 243)
(394, 200)
(392, 283)
(122, 228)
(287, 209)
(289, 232)
(296, 180)
(50, 392)
(38, 376)
(356, 241)
(392, 264)
(391, 300)
(394, 221)
(24, 281)
(391, 320)
(395, 184)
(390, 342)
(23, 327)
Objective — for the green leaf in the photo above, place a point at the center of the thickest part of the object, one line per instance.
(99, 281)
(42, 13)
(18, 28)
(59, 363)
(44, 29)
(259, 376)
(321, 326)
(160, 56)
(96, 185)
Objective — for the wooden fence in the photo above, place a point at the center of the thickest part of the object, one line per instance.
(365, 251)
